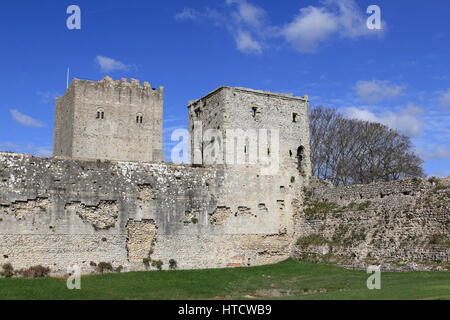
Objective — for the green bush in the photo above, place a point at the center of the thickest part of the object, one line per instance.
(355, 206)
(311, 240)
(322, 207)
(119, 269)
(104, 266)
(157, 264)
(146, 262)
(36, 272)
(172, 264)
(8, 270)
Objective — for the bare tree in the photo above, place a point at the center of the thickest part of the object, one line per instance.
(346, 151)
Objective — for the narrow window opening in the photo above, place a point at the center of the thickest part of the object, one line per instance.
(100, 114)
(300, 157)
(290, 153)
(198, 112)
(254, 110)
(256, 113)
(294, 117)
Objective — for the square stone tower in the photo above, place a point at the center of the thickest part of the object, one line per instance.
(110, 120)
(238, 111)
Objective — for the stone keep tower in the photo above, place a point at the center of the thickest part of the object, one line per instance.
(110, 120)
(241, 108)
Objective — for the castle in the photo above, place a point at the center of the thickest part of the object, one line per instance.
(106, 196)
(246, 199)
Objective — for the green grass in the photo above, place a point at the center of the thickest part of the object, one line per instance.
(286, 280)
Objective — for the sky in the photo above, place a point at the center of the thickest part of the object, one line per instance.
(398, 75)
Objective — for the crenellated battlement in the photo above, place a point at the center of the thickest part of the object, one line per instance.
(114, 90)
(109, 82)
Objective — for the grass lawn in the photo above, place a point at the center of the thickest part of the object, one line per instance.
(286, 280)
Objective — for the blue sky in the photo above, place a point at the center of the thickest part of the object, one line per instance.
(399, 76)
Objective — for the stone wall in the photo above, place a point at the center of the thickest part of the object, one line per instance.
(402, 225)
(60, 212)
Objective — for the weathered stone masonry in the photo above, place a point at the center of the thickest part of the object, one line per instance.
(59, 212)
(402, 225)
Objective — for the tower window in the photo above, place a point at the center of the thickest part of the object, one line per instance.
(139, 118)
(300, 157)
(294, 117)
(256, 113)
(100, 114)
(198, 112)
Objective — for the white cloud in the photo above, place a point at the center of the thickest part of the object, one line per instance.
(247, 44)
(109, 65)
(25, 120)
(351, 18)
(433, 151)
(444, 99)
(406, 121)
(376, 91)
(249, 24)
(313, 25)
(188, 14)
(309, 28)
(440, 152)
(248, 13)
